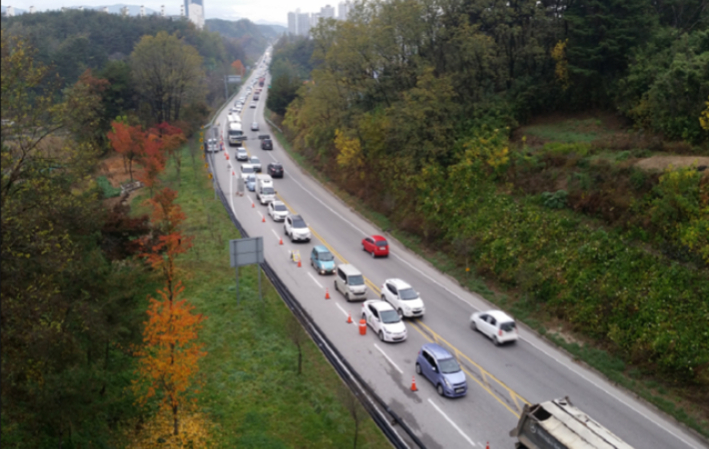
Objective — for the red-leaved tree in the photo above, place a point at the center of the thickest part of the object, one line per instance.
(172, 138)
(125, 139)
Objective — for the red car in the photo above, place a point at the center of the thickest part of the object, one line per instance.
(376, 245)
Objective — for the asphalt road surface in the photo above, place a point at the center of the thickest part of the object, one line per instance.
(500, 379)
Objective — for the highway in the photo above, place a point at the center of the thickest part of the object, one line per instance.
(501, 379)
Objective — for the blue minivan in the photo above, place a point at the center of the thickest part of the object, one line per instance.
(322, 260)
(441, 368)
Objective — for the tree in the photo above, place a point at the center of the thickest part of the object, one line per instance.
(125, 140)
(170, 353)
(282, 93)
(296, 334)
(151, 158)
(167, 73)
(238, 67)
(172, 139)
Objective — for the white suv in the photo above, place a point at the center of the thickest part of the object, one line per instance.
(296, 228)
(403, 298)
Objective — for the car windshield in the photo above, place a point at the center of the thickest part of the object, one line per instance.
(251, 178)
(449, 366)
(507, 326)
(255, 161)
(381, 243)
(408, 293)
(389, 316)
(276, 167)
(356, 280)
(247, 169)
(280, 208)
(299, 224)
(325, 257)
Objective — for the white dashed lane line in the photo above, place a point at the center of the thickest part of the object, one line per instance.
(458, 429)
(315, 280)
(388, 359)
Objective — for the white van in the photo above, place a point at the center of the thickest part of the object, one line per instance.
(264, 181)
(350, 282)
(265, 194)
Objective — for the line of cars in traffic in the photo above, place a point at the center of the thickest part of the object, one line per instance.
(398, 299)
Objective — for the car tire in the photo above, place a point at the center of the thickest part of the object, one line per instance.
(496, 341)
(364, 316)
(440, 390)
(418, 368)
(381, 336)
(285, 231)
(347, 296)
(473, 326)
(363, 248)
(335, 285)
(373, 253)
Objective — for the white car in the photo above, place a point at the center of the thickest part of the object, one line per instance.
(253, 104)
(296, 228)
(242, 154)
(247, 170)
(277, 210)
(403, 298)
(384, 320)
(495, 325)
(255, 126)
(256, 163)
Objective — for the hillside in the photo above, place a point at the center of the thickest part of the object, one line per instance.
(250, 36)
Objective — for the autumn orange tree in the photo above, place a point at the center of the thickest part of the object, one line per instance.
(172, 138)
(239, 67)
(151, 158)
(168, 360)
(125, 140)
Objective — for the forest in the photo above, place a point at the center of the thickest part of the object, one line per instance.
(416, 107)
(87, 358)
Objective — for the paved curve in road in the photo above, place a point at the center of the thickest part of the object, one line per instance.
(501, 379)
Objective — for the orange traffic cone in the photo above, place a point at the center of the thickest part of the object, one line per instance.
(414, 384)
(350, 320)
(252, 204)
(263, 219)
(487, 446)
(227, 157)
(299, 263)
(281, 241)
(327, 295)
(232, 172)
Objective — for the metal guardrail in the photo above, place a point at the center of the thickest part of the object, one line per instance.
(370, 401)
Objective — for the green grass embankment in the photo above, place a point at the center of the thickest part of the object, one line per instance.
(251, 390)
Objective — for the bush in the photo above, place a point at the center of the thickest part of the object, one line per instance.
(579, 148)
(107, 190)
(557, 200)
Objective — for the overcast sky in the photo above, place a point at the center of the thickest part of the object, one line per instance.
(254, 10)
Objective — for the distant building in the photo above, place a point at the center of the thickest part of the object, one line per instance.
(195, 12)
(10, 11)
(327, 12)
(343, 10)
(314, 19)
(292, 24)
(303, 24)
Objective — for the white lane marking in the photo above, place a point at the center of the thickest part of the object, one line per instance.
(276, 234)
(452, 423)
(314, 279)
(576, 371)
(345, 312)
(388, 359)
(661, 424)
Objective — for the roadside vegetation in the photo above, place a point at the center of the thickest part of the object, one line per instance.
(486, 147)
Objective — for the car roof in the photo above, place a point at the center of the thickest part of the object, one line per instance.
(254, 157)
(277, 203)
(321, 249)
(241, 149)
(398, 283)
(437, 351)
(499, 316)
(380, 305)
(247, 166)
(378, 238)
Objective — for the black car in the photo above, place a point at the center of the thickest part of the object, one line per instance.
(267, 144)
(275, 170)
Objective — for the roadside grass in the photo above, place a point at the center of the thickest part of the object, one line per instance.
(571, 131)
(667, 399)
(250, 387)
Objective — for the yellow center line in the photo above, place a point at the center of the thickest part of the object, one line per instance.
(485, 374)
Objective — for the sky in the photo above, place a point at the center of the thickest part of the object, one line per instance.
(273, 11)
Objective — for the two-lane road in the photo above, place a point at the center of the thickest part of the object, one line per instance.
(501, 379)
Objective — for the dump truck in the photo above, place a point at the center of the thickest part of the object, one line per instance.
(557, 424)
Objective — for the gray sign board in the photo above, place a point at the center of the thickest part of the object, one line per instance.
(246, 251)
(234, 79)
